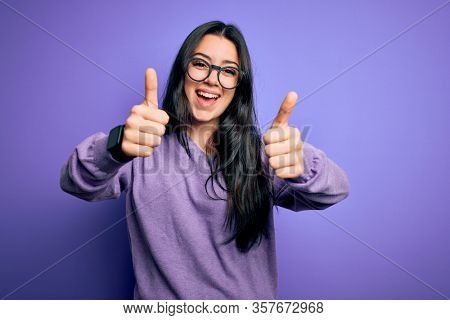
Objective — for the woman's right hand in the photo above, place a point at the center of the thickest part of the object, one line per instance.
(146, 123)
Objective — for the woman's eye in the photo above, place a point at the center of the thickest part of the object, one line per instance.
(229, 71)
(199, 64)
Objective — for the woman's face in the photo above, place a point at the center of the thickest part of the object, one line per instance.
(208, 99)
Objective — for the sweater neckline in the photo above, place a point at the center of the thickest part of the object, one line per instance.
(196, 146)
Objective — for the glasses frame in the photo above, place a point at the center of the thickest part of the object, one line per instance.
(219, 70)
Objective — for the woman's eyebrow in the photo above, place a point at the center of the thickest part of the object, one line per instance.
(209, 58)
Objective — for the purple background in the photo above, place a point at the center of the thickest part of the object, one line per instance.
(385, 122)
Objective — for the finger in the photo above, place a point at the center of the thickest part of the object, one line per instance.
(153, 114)
(152, 127)
(285, 160)
(285, 111)
(142, 138)
(156, 115)
(274, 135)
(290, 172)
(151, 88)
(283, 147)
(133, 149)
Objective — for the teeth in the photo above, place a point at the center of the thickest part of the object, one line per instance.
(208, 95)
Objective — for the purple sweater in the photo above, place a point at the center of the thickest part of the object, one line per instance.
(176, 230)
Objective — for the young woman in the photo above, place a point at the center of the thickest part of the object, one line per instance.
(200, 179)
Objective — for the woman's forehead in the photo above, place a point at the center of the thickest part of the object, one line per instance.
(218, 48)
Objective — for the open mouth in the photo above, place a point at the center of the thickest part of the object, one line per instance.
(207, 96)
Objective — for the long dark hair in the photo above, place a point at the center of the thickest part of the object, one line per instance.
(236, 142)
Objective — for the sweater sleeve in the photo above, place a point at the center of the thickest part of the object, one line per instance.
(92, 174)
(322, 184)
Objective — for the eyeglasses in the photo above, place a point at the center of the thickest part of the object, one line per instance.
(199, 70)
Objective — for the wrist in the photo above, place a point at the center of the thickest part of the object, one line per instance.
(114, 145)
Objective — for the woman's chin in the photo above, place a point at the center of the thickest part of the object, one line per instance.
(202, 117)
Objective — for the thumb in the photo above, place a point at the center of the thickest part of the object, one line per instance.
(151, 88)
(281, 120)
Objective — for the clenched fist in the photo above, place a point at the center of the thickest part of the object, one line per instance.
(146, 124)
(283, 144)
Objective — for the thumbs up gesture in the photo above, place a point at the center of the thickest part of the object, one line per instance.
(283, 144)
(146, 123)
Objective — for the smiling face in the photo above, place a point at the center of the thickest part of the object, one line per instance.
(208, 99)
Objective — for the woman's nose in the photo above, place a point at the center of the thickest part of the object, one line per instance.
(213, 78)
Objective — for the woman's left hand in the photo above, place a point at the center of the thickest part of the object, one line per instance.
(283, 144)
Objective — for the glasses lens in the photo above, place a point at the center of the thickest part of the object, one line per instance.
(229, 77)
(198, 69)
